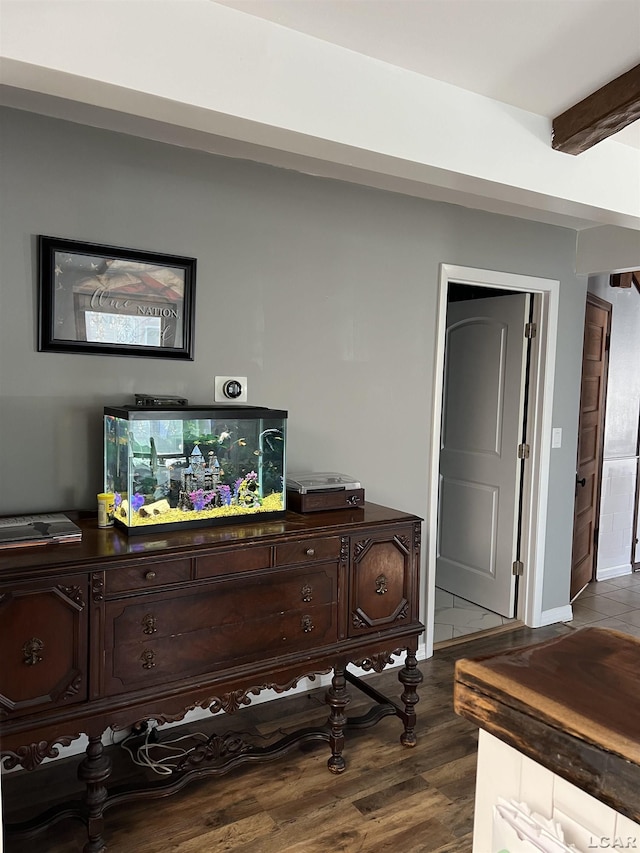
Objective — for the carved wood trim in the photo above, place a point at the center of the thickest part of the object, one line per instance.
(33, 754)
(233, 701)
(97, 586)
(402, 540)
(359, 548)
(73, 593)
(358, 621)
(73, 688)
(376, 662)
(217, 748)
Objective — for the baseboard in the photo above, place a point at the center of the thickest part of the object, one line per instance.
(613, 572)
(421, 654)
(556, 614)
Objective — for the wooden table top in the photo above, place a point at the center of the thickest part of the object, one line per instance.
(571, 703)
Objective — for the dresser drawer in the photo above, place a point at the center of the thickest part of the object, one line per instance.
(218, 604)
(208, 651)
(308, 551)
(146, 576)
(238, 560)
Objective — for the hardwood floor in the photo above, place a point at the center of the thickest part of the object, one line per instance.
(389, 799)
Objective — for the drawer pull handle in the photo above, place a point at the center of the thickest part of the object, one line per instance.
(150, 576)
(310, 552)
(31, 651)
(306, 593)
(148, 659)
(381, 585)
(149, 624)
(307, 624)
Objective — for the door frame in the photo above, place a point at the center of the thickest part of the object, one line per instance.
(546, 294)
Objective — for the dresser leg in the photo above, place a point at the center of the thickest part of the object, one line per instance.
(410, 677)
(94, 771)
(338, 699)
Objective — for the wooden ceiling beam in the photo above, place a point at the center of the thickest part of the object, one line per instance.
(598, 116)
(626, 279)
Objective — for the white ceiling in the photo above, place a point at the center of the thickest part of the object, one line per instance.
(540, 55)
(447, 100)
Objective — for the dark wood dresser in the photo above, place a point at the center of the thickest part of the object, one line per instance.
(114, 631)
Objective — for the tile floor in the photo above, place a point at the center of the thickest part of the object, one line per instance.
(454, 617)
(609, 604)
(612, 603)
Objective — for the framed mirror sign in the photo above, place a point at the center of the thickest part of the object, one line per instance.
(114, 301)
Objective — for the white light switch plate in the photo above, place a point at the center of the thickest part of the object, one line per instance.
(556, 437)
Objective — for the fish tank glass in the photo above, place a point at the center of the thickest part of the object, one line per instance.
(192, 466)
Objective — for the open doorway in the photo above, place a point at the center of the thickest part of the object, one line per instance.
(538, 303)
(484, 452)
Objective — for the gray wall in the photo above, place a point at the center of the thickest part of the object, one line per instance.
(322, 293)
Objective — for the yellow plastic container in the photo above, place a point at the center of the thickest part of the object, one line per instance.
(106, 502)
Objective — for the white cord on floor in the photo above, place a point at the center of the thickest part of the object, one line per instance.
(162, 766)
(166, 766)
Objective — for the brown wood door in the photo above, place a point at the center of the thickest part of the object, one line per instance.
(595, 362)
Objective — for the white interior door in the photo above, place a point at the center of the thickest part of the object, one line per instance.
(483, 400)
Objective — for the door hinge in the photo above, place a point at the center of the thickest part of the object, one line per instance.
(607, 342)
(523, 451)
(530, 330)
(518, 567)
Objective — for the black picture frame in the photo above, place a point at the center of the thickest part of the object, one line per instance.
(108, 300)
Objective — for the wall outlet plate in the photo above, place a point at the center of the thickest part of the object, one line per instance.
(230, 389)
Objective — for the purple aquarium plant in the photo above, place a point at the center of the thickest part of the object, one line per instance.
(136, 502)
(200, 499)
(225, 495)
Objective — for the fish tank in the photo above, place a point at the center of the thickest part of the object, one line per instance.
(193, 466)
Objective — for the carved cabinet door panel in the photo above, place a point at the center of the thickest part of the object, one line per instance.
(382, 584)
(43, 637)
